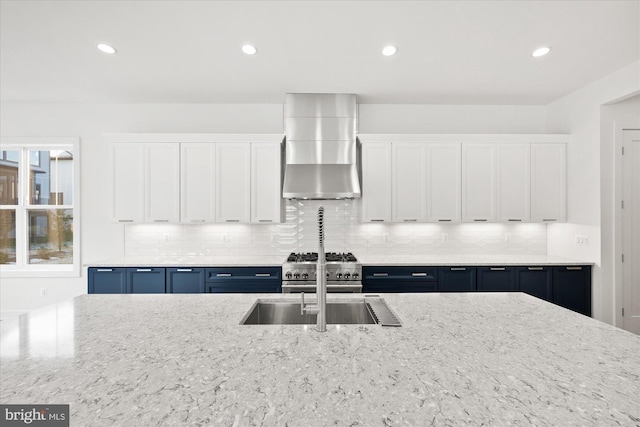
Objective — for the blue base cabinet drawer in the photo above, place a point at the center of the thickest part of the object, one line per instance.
(146, 280)
(572, 288)
(456, 279)
(244, 280)
(399, 279)
(535, 281)
(185, 280)
(496, 279)
(107, 280)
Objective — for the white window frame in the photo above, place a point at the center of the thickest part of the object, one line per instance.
(22, 268)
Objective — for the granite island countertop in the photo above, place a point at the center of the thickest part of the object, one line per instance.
(459, 359)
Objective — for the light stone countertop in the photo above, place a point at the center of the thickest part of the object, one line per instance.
(492, 359)
(387, 260)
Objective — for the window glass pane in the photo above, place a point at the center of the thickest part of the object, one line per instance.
(9, 177)
(7, 236)
(51, 180)
(51, 236)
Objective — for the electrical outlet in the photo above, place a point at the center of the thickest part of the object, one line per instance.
(582, 240)
(43, 292)
(225, 237)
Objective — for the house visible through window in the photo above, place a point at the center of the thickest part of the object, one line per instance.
(37, 213)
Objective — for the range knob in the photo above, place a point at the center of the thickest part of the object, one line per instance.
(355, 276)
(296, 276)
(347, 275)
(305, 275)
(339, 275)
(288, 275)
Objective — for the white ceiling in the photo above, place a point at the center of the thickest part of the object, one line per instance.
(450, 52)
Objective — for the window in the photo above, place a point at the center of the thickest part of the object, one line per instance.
(38, 213)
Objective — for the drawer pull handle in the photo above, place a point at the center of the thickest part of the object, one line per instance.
(104, 270)
(125, 220)
(410, 220)
(458, 269)
(514, 220)
(160, 220)
(377, 220)
(480, 220)
(265, 220)
(497, 269)
(549, 219)
(263, 275)
(184, 270)
(223, 275)
(444, 220)
(535, 268)
(231, 220)
(574, 268)
(197, 220)
(380, 274)
(144, 270)
(419, 274)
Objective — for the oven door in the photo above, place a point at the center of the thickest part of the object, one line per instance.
(333, 286)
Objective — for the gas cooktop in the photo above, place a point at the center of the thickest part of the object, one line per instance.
(329, 257)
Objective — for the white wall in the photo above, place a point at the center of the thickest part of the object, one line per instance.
(103, 240)
(579, 114)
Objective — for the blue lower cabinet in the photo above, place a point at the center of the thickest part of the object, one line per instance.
(243, 280)
(398, 286)
(399, 279)
(496, 279)
(456, 279)
(535, 281)
(185, 280)
(146, 280)
(107, 280)
(572, 288)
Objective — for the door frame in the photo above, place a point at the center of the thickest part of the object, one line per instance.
(620, 129)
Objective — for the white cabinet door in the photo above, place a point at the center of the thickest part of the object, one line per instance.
(127, 182)
(478, 182)
(162, 182)
(266, 184)
(513, 182)
(548, 182)
(233, 182)
(197, 173)
(443, 182)
(376, 182)
(409, 182)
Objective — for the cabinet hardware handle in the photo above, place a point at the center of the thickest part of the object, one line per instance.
(160, 220)
(263, 275)
(377, 220)
(535, 268)
(444, 220)
(549, 219)
(197, 220)
(104, 269)
(410, 220)
(231, 220)
(144, 270)
(497, 269)
(265, 220)
(380, 274)
(184, 269)
(574, 268)
(458, 269)
(419, 274)
(480, 220)
(223, 275)
(514, 220)
(125, 220)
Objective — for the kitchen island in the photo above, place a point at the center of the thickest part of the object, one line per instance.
(458, 359)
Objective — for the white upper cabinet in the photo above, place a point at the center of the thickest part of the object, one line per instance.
(409, 182)
(548, 182)
(127, 182)
(233, 182)
(478, 182)
(513, 182)
(266, 182)
(376, 182)
(443, 182)
(198, 178)
(162, 182)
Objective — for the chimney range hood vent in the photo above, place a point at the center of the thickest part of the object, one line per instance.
(321, 147)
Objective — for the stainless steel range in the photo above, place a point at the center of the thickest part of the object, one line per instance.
(344, 272)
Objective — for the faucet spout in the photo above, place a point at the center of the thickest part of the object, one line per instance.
(320, 307)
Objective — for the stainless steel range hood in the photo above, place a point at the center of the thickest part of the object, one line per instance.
(321, 147)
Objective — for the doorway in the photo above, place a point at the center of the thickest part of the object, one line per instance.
(631, 231)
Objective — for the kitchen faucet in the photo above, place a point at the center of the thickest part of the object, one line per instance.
(320, 308)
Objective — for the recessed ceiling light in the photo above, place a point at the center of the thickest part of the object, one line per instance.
(249, 49)
(389, 50)
(106, 48)
(541, 51)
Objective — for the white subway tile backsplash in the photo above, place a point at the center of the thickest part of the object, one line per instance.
(343, 233)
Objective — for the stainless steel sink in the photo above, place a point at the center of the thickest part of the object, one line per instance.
(352, 311)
